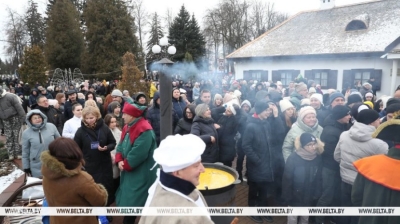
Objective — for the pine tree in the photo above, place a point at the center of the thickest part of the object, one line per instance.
(185, 34)
(109, 35)
(156, 33)
(35, 25)
(33, 66)
(64, 38)
(132, 77)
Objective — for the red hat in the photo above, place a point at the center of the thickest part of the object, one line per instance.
(132, 110)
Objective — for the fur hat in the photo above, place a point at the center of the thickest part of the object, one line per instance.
(246, 102)
(285, 104)
(304, 111)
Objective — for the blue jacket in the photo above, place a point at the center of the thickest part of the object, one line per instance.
(179, 106)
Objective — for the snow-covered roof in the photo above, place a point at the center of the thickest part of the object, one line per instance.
(324, 32)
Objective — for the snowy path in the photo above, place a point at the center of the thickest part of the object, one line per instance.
(6, 181)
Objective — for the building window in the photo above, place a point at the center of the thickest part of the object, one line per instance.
(356, 25)
(352, 78)
(260, 75)
(325, 77)
(285, 76)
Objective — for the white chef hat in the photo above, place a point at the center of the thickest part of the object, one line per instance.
(177, 152)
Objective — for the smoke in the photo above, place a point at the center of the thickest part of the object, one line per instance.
(183, 70)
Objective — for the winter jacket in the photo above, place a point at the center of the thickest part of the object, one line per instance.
(330, 136)
(179, 106)
(32, 98)
(63, 187)
(356, 144)
(204, 128)
(47, 95)
(153, 90)
(226, 135)
(196, 93)
(68, 108)
(302, 181)
(54, 116)
(377, 185)
(184, 125)
(10, 105)
(256, 142)
(97, 163)
(295, 99)
(154, 117)
(35, 140)
(297, 129)
(322, 114)
(71, 126)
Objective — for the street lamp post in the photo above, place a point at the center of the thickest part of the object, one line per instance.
(165, 86)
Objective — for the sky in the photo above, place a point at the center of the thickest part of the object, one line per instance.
(198, 7)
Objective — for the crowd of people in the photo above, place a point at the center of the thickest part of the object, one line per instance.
(300, 145)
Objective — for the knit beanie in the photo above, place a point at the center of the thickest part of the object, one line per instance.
(339, 112)
(369, 104)
(367, 116)
(392, 101)
(246, 102)
(260, 106)
(318, 97)
(285, 104)
(304, 111)
(201, 109)
(261, 95)
(114, 105)
(354, 98)
(116, 92)
(333, 96)
(312, 90)
(306, 138)
(369, 94)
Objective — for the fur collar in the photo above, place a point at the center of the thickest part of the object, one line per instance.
(56, 167)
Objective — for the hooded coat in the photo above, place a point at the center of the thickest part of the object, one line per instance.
(36, 140)
(64, 188)
(32, 98)
(10, 105)
(302, 179)
(297, 129)
(356, 144)
(98, 163)
(204, 128)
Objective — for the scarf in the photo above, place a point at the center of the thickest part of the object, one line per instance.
(306, 155)
(93, 126)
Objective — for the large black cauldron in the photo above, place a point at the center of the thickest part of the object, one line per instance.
(221, 197)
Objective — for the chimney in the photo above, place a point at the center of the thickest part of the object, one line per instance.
(326, 4)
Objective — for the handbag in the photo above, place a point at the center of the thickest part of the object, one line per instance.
(23, 128)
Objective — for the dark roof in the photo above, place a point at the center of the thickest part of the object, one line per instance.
(324, 32)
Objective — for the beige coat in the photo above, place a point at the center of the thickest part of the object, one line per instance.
(164, 198)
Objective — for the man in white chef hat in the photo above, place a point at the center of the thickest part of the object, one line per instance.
(180, 159)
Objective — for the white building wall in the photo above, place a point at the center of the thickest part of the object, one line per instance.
(339, 64)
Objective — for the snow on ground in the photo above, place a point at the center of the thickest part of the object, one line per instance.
(6, 181)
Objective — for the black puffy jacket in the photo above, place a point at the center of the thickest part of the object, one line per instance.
(204, 128)
(54, 116)
(226, 136)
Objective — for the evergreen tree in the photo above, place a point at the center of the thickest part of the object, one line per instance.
(35, 25)
(33, 66)
(185, 34)
(132, 77)
(109, 35)
(64, 38)
(156, 33)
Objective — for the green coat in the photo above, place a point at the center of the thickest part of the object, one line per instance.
(134, 184)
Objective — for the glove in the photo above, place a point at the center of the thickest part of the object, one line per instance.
(28, 172)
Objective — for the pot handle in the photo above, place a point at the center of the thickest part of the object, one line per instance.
(237, 181)
(219, 163)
